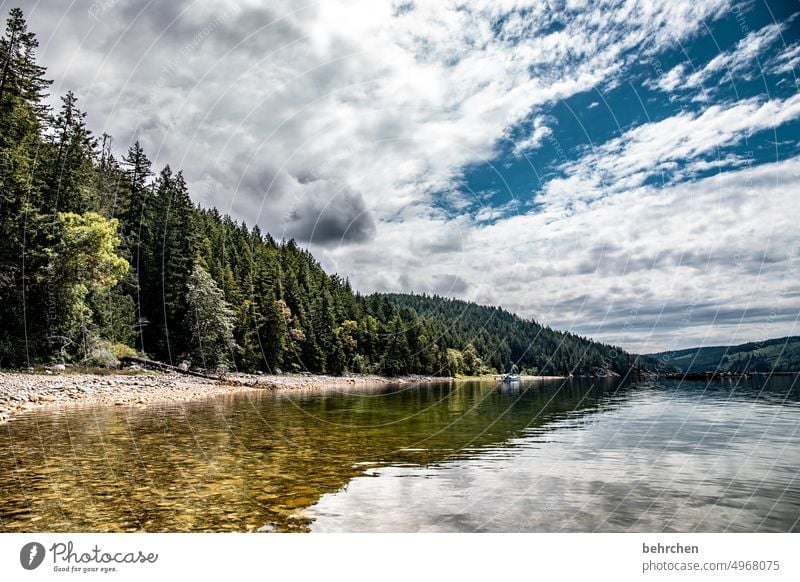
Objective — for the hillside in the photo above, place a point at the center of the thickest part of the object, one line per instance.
(777, 355)
(503, 339)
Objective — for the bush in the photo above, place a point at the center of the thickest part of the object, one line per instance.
(101, 355)
(123, 351)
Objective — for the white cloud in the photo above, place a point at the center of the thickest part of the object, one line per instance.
(660, 149)
(539, 131)
(787, 61)
(392, 103)
(673, 79)
(743, 61)
(719, 163)
(647, 268)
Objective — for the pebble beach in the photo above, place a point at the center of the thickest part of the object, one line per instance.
(20, 391)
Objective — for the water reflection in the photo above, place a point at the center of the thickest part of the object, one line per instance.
(574, 455)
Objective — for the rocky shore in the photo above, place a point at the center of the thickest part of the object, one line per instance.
(24, 391)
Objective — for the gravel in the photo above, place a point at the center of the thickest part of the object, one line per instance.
(24, 391)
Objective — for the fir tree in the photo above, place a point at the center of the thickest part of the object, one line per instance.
(70, 175)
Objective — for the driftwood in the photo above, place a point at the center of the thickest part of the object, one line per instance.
(154, 365)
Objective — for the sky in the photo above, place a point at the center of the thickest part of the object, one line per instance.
(628, 171)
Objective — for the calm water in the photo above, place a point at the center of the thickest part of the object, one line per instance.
(576, 455)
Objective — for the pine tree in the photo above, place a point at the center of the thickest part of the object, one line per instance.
(175, 248)
(23, 304)
(21, 79)
(137, 229)
(71, 174)
(397, 355)
(110, 182)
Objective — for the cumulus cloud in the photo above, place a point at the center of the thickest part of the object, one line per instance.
(325, 213)
(651, 267)
(670, 81)
(702, 261)
(392, 99)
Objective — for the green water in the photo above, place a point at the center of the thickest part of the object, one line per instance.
(573, 455)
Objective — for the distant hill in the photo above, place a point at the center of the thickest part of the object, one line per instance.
(777, 355)
(502, 339)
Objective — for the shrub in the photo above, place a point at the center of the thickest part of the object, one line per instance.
(123, 351)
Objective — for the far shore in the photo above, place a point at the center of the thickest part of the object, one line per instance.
(499, 377)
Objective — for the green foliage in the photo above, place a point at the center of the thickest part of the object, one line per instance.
(484, 340)
(69, 173)
(81, 262)
(211, 321)
(22, 79)
(774, 355)
(23, 308)
(100, 354)
(114, 315)
(83, 251)
(455, 363)
(123, 351)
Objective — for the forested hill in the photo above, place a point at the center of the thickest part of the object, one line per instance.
(103, 256)
(502, 339)
(775, 355)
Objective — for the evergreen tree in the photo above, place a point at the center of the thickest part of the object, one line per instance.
(397, 356)
(23, 304)
(174, 248)
(137, 228)
(22, 78)
(71, 173)
(110, 181)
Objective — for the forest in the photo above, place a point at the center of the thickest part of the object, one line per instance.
(104, 256)
(773, 355)
(501, 339)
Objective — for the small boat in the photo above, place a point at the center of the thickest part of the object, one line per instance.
(510, 378)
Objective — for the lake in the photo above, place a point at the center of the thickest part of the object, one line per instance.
(574, 455)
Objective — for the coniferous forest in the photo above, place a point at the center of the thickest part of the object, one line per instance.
(103, 255)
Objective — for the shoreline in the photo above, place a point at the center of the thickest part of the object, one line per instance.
(23, 391)
(499, 377)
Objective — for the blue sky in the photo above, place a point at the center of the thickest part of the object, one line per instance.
(626, 170)
(655, 88)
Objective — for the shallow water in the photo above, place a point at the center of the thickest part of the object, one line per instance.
(573, 455)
